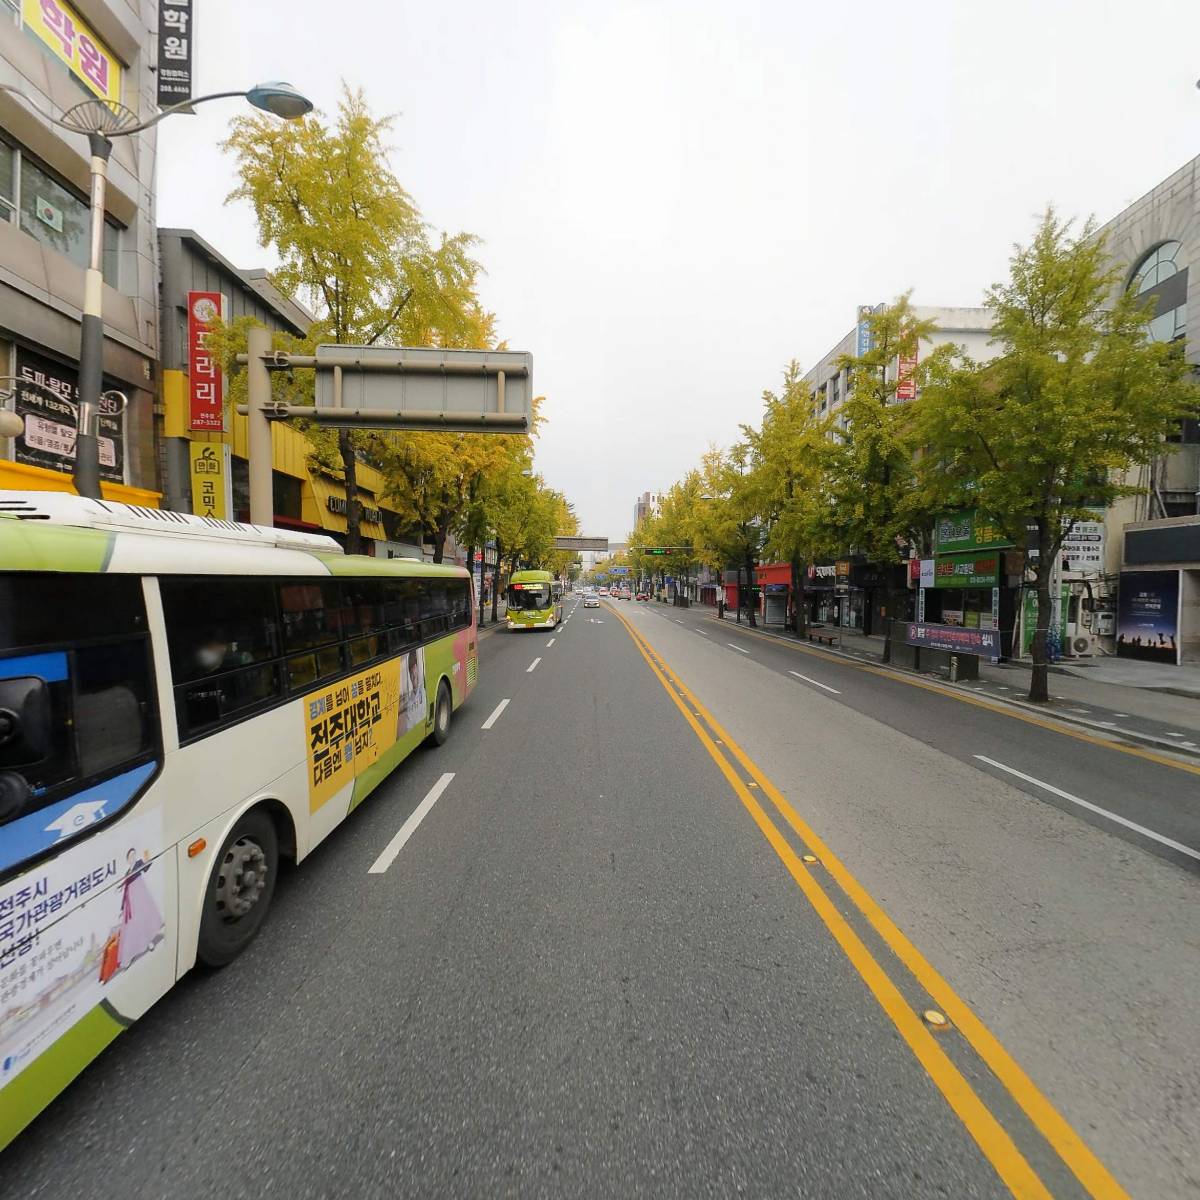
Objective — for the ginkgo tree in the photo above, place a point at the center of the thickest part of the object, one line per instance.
(352, 246)
(1048, 431)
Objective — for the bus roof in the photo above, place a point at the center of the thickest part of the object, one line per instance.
(53, 531)
(531, 577)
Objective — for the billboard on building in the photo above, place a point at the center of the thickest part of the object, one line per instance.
(47, 395)
(176, 36)
(211, 480)
(75, 44)
(1148, 616)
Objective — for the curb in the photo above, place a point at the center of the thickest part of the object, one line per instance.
(1111, 732)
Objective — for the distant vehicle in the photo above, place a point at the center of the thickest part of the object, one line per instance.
(641, 596)
(625, 594)
(532, 603)
(591, 600)
(183, 707)
(603, 591)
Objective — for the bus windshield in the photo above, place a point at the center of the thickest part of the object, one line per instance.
(529, 596)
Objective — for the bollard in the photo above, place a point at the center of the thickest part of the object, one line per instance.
(954, 668)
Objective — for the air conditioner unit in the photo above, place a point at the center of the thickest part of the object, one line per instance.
(1083, 644)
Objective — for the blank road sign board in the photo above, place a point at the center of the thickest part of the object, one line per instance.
(571, 542)
(463, 386)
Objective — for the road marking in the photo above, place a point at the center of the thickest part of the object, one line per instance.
(739, 649)
(1103, 812)
(550, 643)
(815, 682)
(1070, 1147)
(532, 666)
(409, 827)
(678, 621)
(700, 632)
(960, 694)
(991, 1137)
(1171, 733)
(495, 715)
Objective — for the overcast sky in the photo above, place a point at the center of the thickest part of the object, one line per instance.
(676, 198)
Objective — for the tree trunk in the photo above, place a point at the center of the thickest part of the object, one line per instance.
(750, 605)
(440, 534)
(739, 595)
(799, 598)
(496, 578)
(353, 509)
(888, 620)
(1039, 677)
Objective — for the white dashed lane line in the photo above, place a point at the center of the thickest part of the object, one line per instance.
(385, 860)
(495, 715)
(739, 649)
(550, 643)
(1103, 812)
(533, 665)
(815, 682)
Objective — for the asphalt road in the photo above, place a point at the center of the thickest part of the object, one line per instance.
(601, 965)
(1157, 798)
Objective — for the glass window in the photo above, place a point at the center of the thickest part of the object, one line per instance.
(215, 624)
(1162, 278)
(75, 663)
(60, 219)
(8, 182)
(314, 614)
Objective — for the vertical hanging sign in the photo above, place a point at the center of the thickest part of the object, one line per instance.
(175, 40)
(906, 375)
(206, 390)
(211, 480)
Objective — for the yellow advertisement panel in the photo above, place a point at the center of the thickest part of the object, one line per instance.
(349, 724)
(210, 470)
(73, 42)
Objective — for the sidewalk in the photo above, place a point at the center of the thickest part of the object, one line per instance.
(1109, 696)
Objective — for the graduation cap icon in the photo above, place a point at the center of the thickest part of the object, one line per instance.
(77, 817)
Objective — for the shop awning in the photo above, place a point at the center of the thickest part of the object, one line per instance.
(323, 503)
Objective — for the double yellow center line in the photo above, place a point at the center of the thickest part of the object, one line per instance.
(993, 1139)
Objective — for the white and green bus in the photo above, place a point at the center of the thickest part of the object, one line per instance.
(534, 600)
(183, 702)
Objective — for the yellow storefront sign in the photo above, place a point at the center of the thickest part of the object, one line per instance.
(348, 725)
(209, 470)
(72, 41)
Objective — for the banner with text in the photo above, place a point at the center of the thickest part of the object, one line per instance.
(206, 385)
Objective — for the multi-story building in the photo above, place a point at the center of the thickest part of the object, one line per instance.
(204, 453)
(648, 504)
(967, 328)
(58, 54)
(1153, 538)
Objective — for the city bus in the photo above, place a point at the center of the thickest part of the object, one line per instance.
(183, 702)
(533, 602)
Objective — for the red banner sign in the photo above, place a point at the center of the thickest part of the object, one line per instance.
(206, 392)
(906, 382)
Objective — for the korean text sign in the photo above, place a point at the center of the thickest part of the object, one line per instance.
(210, 479)
(47, 394)
(176, 34)
(71, 40)
(206, 385)
(350, 723)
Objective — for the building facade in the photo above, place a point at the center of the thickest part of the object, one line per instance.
(648, 504)
(60, 53)
(204, 443)
(1152, 542)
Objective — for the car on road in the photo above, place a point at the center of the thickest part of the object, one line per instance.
(603, 591)
(641, 596)
(591, 600)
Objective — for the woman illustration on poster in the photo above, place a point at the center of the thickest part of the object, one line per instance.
(141, 921)
(412, 695)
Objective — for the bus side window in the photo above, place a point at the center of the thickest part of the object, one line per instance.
(224, 639)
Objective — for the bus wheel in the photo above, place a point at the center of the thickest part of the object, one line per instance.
(441, 715)
(239, 889)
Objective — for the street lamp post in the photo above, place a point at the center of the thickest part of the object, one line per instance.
(100, 121)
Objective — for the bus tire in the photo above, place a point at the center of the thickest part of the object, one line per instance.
(442, 709)
(239, 889)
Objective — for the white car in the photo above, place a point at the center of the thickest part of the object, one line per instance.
(591, 600)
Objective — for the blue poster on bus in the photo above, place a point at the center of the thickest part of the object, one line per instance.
(1148, 616)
